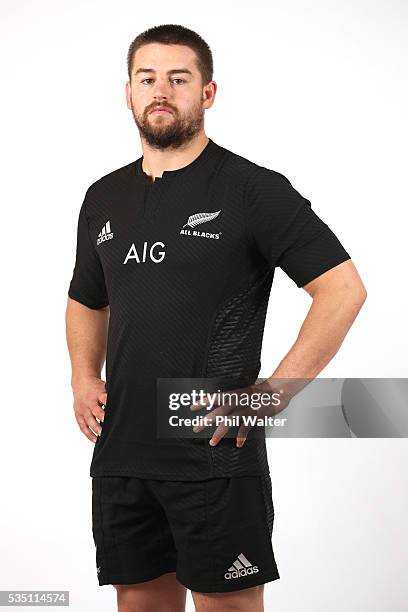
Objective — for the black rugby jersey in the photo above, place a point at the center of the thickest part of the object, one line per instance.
(186, 265)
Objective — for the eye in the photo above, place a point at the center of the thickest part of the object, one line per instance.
(176, 79)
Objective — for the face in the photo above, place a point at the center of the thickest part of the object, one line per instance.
(167, 77)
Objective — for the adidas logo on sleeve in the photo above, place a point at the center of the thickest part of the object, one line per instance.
(241, 567)
(105, 233)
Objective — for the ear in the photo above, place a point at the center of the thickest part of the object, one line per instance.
(128, 93)
(209, 94)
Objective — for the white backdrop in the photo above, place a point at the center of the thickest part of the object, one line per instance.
(332, 75)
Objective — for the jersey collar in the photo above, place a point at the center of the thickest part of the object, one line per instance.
(205, 154)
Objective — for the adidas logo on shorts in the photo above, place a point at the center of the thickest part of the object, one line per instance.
(241, 567)
(105, 233)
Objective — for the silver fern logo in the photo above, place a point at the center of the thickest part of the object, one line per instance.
(198, 219)
(201, 217)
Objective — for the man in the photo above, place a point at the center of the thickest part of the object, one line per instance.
(176, 253)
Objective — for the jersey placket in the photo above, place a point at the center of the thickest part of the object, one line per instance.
(152, 196)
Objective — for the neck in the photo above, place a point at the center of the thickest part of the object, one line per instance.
(155, 162)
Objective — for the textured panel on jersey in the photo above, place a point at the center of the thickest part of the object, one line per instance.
(236, 335)
(188, 300)
(234, 351)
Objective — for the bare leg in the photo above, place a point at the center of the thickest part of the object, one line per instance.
(162, 594)
(235, 601)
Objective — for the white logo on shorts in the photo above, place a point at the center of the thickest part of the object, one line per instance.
(241, 567)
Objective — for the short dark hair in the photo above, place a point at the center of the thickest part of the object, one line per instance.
(172, 34)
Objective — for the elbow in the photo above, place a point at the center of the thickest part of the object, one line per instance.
(361, 294)
(355, 295)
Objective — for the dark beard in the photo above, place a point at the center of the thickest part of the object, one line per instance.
(173, 135)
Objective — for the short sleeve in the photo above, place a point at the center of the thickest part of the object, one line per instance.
(283, 227)
(88, 282)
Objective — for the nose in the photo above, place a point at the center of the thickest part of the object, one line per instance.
(161, 89)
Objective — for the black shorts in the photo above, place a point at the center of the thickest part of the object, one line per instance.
(215, 534)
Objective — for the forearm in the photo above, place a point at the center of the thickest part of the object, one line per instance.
(320, 337)
(86, 333)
